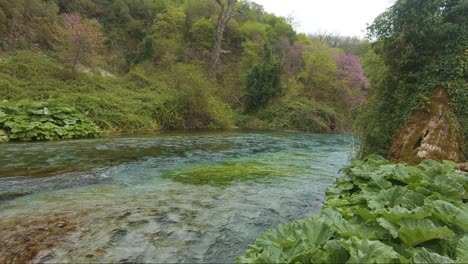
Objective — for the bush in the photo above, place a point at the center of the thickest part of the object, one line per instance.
(263, 82)
(31, 121)
(220, 112)
(379, 213)
(302, 114)
(191, 102)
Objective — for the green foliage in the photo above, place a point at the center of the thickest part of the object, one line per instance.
(202, 32)
(423, 46)
(378, 212)
(302, 114)
(148, 45)
(146, 53)
(263, 82)
(253, 30)
(169, 29)
(191, 101)
(26, 22)
(78, 40)
(31, 121)
(320, 73)
(145, 99)
(375, 131)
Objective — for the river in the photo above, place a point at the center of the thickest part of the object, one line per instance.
(167, 198)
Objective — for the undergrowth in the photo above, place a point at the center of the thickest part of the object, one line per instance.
(146, 99)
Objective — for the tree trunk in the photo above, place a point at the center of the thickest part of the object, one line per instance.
(216, 52)
(224, 16)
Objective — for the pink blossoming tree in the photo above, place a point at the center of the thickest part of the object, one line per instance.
(78, 40)
(351, 73)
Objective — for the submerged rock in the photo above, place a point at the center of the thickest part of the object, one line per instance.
(32, 241)
(431, 133)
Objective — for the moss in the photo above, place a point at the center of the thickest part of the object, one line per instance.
(227, 172)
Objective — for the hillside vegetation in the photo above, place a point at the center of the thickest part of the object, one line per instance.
(146, 65)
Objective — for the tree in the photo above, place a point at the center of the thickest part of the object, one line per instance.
(78, 40)
(263, 82)
(169, 29)
(227, 11)
(320, 74)
(350, 71)
(202, 32)
(146, 52)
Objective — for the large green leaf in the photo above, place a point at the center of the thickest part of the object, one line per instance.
(406, 174)
(368, 251)
(315, 231)
(462, 250)
(356, 227)
(414, 232)
(36, 121)
(391, 228)
(426, 257)
(396, 196)
(269, 254)
(336, 253)
(450, 213)
(395, 214)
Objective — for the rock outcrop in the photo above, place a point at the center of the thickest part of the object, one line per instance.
(431, 133)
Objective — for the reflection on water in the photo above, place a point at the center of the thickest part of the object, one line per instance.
(105, 200)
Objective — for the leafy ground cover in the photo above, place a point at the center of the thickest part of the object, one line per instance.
(30, 121)
(379, 212)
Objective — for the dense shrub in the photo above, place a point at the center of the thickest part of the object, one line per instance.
(379, 213)
(302, 114)
(30, 121)
(191, 100)
(263, 82)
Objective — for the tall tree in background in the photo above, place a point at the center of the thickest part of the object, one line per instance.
(228, 10)
(78, 40)
(263, 83)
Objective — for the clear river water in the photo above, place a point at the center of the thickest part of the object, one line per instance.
(160, 199)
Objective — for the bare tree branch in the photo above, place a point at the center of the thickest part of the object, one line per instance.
(220, 3)
(224, 16)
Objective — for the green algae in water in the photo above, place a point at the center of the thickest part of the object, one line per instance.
(227, 172)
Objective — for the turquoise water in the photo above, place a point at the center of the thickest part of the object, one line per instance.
(113, 191)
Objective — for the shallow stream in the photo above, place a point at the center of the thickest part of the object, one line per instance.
(167, 198)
